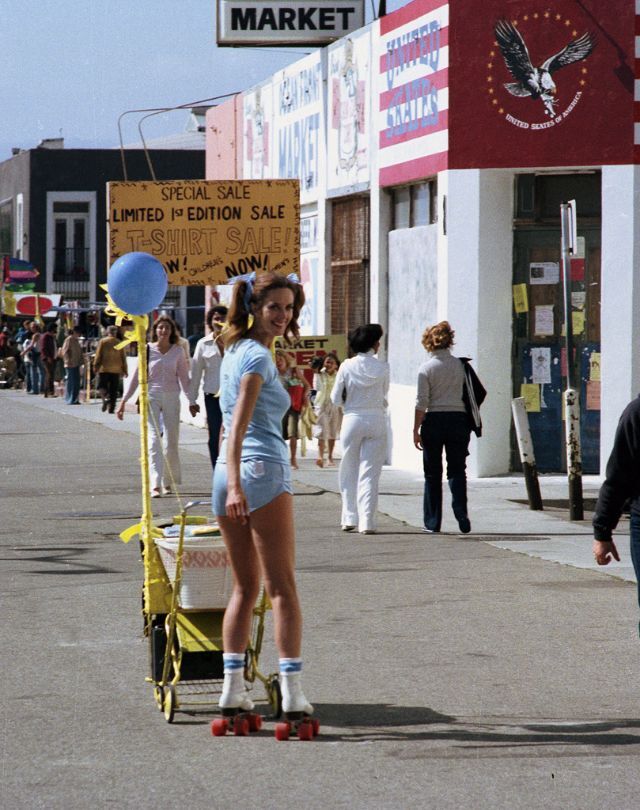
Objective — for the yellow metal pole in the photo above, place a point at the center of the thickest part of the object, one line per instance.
(146, 520)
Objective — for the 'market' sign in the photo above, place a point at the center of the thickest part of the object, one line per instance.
(259, 22)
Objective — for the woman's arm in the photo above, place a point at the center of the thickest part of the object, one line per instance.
(236, 505)
(182, 372)
(338, 388)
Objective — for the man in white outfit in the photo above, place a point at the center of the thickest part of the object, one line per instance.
(361, 389)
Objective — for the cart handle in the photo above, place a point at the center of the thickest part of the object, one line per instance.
(191, 504)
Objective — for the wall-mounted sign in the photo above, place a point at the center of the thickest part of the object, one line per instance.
(256, 22)
(298, 125)
(412, 117)
(207, 231)
(349, 100)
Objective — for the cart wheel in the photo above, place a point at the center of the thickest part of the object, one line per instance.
(274, 695)
(255, 722)
(283, 731)
(169, 703)
(315, 723)
(305, 730)
(219, 726)
(158, 694)
(240, 726)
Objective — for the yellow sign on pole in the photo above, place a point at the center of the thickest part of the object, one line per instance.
(207, 231)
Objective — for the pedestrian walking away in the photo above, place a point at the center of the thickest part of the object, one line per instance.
(361, 388)
(205, 368)
(72, 357)
(621, 486)
(110, 364)
(447, 410)
(167, 374)
(252, 490)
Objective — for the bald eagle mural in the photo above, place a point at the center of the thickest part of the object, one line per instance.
(537, 82)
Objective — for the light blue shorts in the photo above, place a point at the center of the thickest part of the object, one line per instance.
(262, 482)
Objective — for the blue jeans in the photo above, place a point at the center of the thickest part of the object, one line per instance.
(214, 423)
(448, 431)
(72, 385)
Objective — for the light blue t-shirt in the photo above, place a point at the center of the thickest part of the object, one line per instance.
(263, 438)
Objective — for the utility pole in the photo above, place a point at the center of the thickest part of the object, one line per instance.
(569, 242)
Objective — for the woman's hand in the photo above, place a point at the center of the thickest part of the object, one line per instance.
(417, 441)
(120, 411)
(236, 505)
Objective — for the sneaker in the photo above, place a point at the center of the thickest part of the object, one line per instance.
(166, 490)
(347, 528)
(429, 531)
(367, 531)
(155, 493)
(465, 525)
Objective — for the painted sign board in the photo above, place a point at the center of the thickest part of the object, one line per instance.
(299, 142)
(257, 152)
(304, 348)
(349, 105)
(256, 22)
(207, 231)
(412, 66)
(542, 84)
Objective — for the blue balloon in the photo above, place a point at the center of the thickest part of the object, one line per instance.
(137, 283)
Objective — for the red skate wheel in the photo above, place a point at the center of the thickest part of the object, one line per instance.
(255, 722)
(283, 730)
(241, 726)
(305, 730)
(219, 727)
(316, 725)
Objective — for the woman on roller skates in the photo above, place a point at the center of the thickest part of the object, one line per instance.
(252, 491)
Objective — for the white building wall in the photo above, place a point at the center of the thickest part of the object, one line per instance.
(476, 298)
(620, 304)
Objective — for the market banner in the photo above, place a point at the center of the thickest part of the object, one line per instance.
(306, 347)
(205, 232)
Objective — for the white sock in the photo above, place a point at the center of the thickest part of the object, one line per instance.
(293, 699)
(234, 691)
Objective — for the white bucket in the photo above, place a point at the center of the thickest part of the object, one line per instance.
(207, 580)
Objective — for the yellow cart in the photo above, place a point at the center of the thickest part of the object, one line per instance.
(186, 643)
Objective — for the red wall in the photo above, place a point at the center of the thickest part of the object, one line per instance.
(594, 113)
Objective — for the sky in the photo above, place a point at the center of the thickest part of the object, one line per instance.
(70, 67)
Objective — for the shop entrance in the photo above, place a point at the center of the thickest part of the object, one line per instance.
(349, 264)
(539, 354)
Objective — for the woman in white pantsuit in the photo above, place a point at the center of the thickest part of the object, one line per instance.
(361, 388)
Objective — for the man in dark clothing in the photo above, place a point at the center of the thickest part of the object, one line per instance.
(622, 483)
(49, 353)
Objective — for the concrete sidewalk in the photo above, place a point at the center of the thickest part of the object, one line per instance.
(498, 506)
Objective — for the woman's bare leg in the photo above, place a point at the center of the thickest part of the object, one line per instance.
(245, 564)
(274, 539)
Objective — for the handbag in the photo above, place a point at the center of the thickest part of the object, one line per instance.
(473, 395)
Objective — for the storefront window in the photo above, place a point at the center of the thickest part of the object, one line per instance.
(415, 205)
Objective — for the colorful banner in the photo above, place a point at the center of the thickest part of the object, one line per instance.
(206, 231)
(31, 304)
(413, 92)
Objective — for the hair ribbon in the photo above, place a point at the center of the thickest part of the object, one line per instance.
(249, 278)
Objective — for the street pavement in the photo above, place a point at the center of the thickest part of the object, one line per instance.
(492, 670)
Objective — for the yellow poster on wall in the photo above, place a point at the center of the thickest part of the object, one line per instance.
(207, 231)
(303, 349)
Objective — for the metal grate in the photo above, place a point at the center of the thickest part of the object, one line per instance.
(349, 264)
